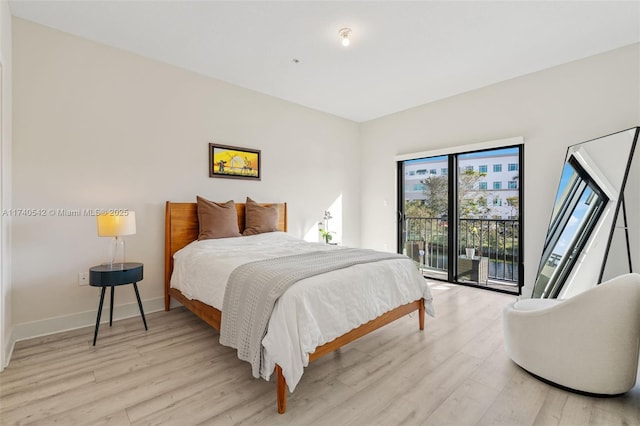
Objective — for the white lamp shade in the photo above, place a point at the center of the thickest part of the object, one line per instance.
(110, 225)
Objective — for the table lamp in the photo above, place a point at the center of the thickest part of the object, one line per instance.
(116, 226)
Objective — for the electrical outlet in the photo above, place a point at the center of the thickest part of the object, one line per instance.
(83, 278)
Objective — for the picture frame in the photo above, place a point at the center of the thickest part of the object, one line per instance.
(233, 162)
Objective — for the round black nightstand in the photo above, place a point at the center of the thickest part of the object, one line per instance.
(110, 276)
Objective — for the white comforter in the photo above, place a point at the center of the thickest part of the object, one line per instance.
(312, 312)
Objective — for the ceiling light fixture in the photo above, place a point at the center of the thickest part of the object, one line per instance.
(344, 35)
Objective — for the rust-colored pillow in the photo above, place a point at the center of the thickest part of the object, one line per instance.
(217, 220)
(260, 219)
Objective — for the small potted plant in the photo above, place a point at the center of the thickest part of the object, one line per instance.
(324, 230)
(326, 235)
(470, 251)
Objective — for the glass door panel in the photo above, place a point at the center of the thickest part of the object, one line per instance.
(489, 218)
(425, 229)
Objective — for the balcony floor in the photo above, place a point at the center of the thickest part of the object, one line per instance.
(507, 286)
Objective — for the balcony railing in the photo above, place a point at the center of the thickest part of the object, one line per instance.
(426, 241)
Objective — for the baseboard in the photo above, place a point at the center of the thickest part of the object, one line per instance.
(8, 349)
(79, 320)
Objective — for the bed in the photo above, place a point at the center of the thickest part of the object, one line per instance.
(182, 248)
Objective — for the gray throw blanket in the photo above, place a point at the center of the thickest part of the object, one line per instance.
(253, 288)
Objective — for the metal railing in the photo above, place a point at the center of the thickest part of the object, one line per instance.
(426, 241)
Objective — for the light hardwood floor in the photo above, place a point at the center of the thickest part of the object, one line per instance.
(453, 373)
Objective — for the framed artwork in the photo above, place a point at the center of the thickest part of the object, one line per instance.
(234, 162)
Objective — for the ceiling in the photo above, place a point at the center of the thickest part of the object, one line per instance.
(402, 54)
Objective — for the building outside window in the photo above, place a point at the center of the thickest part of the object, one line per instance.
(482, 168)
(497, 185)
(513, 167)
(512, 184)
(416, 172)
(497, 168)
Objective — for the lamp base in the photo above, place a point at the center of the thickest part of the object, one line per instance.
(116, 254)
(116, 266)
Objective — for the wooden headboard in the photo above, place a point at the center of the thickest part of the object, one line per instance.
(181, 227)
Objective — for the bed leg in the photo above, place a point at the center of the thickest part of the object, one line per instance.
(421, 314)
(281, 390)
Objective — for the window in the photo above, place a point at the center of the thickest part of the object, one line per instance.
(482, 185)
(433, 172)
(468, 168)
(421, 172)
(482, 169)
(497, 168)
(444, 171)
(513, 167)
(497, 202)
(512, 184)
(412, 173)
(419, 187)
(497, 185)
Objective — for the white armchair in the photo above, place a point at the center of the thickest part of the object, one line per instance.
(589, 343)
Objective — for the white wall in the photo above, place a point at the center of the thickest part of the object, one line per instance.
(551, 109)
(6, 324)
(97, 127)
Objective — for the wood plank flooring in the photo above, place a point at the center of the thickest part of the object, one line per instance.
(453, 373)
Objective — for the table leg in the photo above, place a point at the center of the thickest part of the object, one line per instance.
(135, 286)
(111, 307)
(95, 334)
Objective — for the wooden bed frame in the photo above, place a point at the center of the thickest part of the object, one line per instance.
(181, 228)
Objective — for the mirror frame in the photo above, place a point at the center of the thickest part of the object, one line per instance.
(586, 230)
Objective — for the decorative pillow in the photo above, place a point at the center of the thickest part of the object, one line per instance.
(260, 219)
(217, 220)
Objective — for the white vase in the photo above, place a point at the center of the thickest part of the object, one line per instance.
(471, 252)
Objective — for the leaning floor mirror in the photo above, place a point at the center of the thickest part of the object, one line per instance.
(594, 217)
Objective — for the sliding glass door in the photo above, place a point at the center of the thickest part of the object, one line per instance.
(460, 217)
